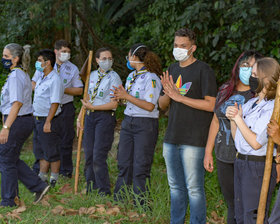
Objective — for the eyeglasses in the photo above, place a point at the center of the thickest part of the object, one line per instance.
(245, 66)
(127, 58)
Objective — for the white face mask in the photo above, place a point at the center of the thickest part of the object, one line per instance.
(105, 65)
(64, 57)
(181, 54)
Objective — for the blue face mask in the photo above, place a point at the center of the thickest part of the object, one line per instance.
(244, 74)
(38, 66)
(129, 66)
(7, 63)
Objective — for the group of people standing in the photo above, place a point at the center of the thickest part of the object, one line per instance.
(242, 111)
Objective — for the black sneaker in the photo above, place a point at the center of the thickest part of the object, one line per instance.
(40, 195)
(53, 183)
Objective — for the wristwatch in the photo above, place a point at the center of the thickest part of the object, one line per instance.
(6, 127)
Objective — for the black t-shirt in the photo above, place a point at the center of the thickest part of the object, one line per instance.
(224, 144)
(186, 125)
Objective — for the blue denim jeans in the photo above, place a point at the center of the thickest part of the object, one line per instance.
(185, 174)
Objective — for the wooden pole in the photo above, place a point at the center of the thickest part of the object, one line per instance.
(268, 162)
(80, 134)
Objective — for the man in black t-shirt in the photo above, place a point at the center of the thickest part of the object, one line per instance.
(189, 88)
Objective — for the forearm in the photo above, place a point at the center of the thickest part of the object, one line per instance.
(107, 106)
(13, 113)
(140, 103)
(73, 91)
(213, 131)
(200, 104)
(52, 112)
(164, 102)
(233, 128)
(248, 135)
(33, 85)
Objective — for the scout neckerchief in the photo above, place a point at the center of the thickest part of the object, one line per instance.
(58, 68)
(100, 77)
(134, 77)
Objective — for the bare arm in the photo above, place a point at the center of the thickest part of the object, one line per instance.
(73, 91)
(164, 102)
(33, 85)
(52, 111)
(4, 134)
(107, 106)
(208, 156)
(206, 104)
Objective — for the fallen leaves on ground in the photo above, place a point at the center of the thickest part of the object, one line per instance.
(66, 188)
(15, 214)
(215, 219)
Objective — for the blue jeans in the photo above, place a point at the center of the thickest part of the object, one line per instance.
(185, 174)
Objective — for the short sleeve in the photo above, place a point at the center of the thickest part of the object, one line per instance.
(116, 81)
(36, 76)
(152, 89)
(56, 91)
(76, 81)
(208, 82)
(16, 89)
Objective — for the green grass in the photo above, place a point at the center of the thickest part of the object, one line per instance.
(159, 198)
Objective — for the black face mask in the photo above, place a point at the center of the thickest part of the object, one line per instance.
(253, 83)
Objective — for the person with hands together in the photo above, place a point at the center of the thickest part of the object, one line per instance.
(248, 129)
(237, 89)
(189, 90)
(18, 124)
(100, 122)
(139, 129)
(46, 104)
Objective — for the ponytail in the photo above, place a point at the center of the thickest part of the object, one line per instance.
(152, 62)
(26, 58)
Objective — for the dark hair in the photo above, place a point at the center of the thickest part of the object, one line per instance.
(185, 32)
(268, 68)
(150, 59)
(228, 89)
(48, 55)
(100, 50)
(23, 53)
(61, 43)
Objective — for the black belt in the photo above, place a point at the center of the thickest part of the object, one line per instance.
(25, 115)
(103, 111)
(67, 103)
(252, 158)
(43, 118)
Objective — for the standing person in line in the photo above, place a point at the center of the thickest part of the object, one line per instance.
(237, 89)
(139, 130)
(100, 122)
(191, 102)
(73, 86)
(46, 103)
(248, 128)
(18, 123)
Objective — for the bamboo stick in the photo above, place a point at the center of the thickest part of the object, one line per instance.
(80, 134)
(268, 161)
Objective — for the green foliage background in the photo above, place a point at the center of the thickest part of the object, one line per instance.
(224, 28)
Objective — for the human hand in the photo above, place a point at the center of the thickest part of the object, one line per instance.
(170, 88)
(47, 127)
(86, 104)
(4, 134)
(273, 130)
(119, 93)
(208, 162)
(232, 112)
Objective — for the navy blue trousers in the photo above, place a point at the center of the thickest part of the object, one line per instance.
(248, 176)
(12, 168)
(137, 144)
(98, 139)
(47, 145)
(68, 116)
